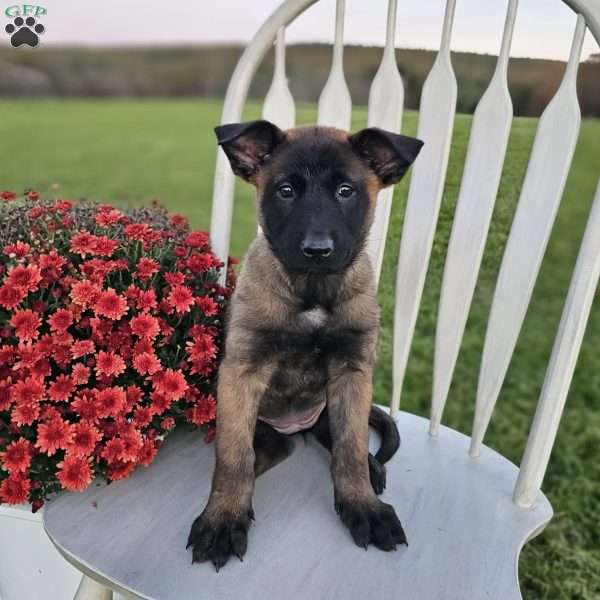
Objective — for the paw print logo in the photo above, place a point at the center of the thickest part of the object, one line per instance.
(24, 31)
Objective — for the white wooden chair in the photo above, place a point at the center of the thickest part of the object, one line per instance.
(467, 510)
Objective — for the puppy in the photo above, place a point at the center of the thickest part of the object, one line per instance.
(302, 327)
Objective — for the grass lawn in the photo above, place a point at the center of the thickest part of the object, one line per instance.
(132, 152)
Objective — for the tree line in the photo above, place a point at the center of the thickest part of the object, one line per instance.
(205, 71)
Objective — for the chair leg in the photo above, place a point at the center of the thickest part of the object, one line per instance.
(92, 590)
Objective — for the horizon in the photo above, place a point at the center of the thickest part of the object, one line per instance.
(241, 44)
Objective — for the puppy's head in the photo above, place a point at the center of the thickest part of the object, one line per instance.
(317, 186)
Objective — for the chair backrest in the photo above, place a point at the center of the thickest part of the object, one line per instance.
(542, 189)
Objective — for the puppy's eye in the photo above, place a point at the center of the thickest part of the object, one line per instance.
(344, 191)
(285, 191)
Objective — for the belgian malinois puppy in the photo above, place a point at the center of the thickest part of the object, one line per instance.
(302, 326)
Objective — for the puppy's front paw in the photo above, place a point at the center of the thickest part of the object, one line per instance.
(216, 538)
(372, 522)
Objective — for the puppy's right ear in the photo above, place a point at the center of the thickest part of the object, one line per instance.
(248, 145)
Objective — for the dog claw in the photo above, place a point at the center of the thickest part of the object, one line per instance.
(374, 523)
(218, 538)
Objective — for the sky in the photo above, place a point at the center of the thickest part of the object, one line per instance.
(543, 28)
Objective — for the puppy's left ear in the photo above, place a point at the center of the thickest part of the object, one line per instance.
(389, 155)
(248, 145)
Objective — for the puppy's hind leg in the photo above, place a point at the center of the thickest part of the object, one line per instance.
(270, 447)
(377, 473)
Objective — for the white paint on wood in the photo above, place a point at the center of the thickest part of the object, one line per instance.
(436, 121)
(335, 103)
(479, 186)
(386, 100)
(464, 531)
(562, 362)
(237, 91)
(278, 106)
(542, 190)
(91, 590)
(590, 9)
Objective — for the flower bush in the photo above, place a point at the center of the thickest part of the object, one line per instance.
(110, 329)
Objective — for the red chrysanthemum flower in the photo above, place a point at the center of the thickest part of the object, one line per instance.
(196, 239)
(160, 402)
(80, 374)
(167, 423)
(146, 300)
(36, 212)
(15, 489)
(11, 295)
(85, 438)
(132, 444)
(147, 267)
(174, 279)
(106, 218)
(48, 413)
(17, 456)
(25, 413)
(202, 348)
(82, 348)
(147, 453)
(8, 196)
(110, 305)
(105, 246)
(137, 231)
(204, 411)
(85, 406)
(74, 473)
(54, 435)
(60, 320)
(61, 388)
(110, 401)
(113, 450)
(178, 220)
(26, 324)
(200, 263)
(120, 470)
(52, 261)
(84, 293)
(207, 305)
(170, 383)
(146, 363)
(145, 326)
(83, 243)
(25, 277)
(181, 299)
(142, 416)
(109, 364)
(28, 391)
(5, 399)
(32, 195)
(17, 250)
(41, 369)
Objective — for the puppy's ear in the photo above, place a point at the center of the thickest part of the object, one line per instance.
(388, 154)
(248, 145)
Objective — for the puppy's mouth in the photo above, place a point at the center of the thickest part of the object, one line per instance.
(320, 265)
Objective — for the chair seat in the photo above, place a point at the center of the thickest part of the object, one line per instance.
(464, 531)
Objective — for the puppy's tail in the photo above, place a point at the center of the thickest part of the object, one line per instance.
(385, 426)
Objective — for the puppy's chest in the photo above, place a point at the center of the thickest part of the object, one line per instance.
(312, 341)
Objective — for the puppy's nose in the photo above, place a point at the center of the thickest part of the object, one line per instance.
(317, 247)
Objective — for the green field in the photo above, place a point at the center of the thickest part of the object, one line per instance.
(131, 152)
